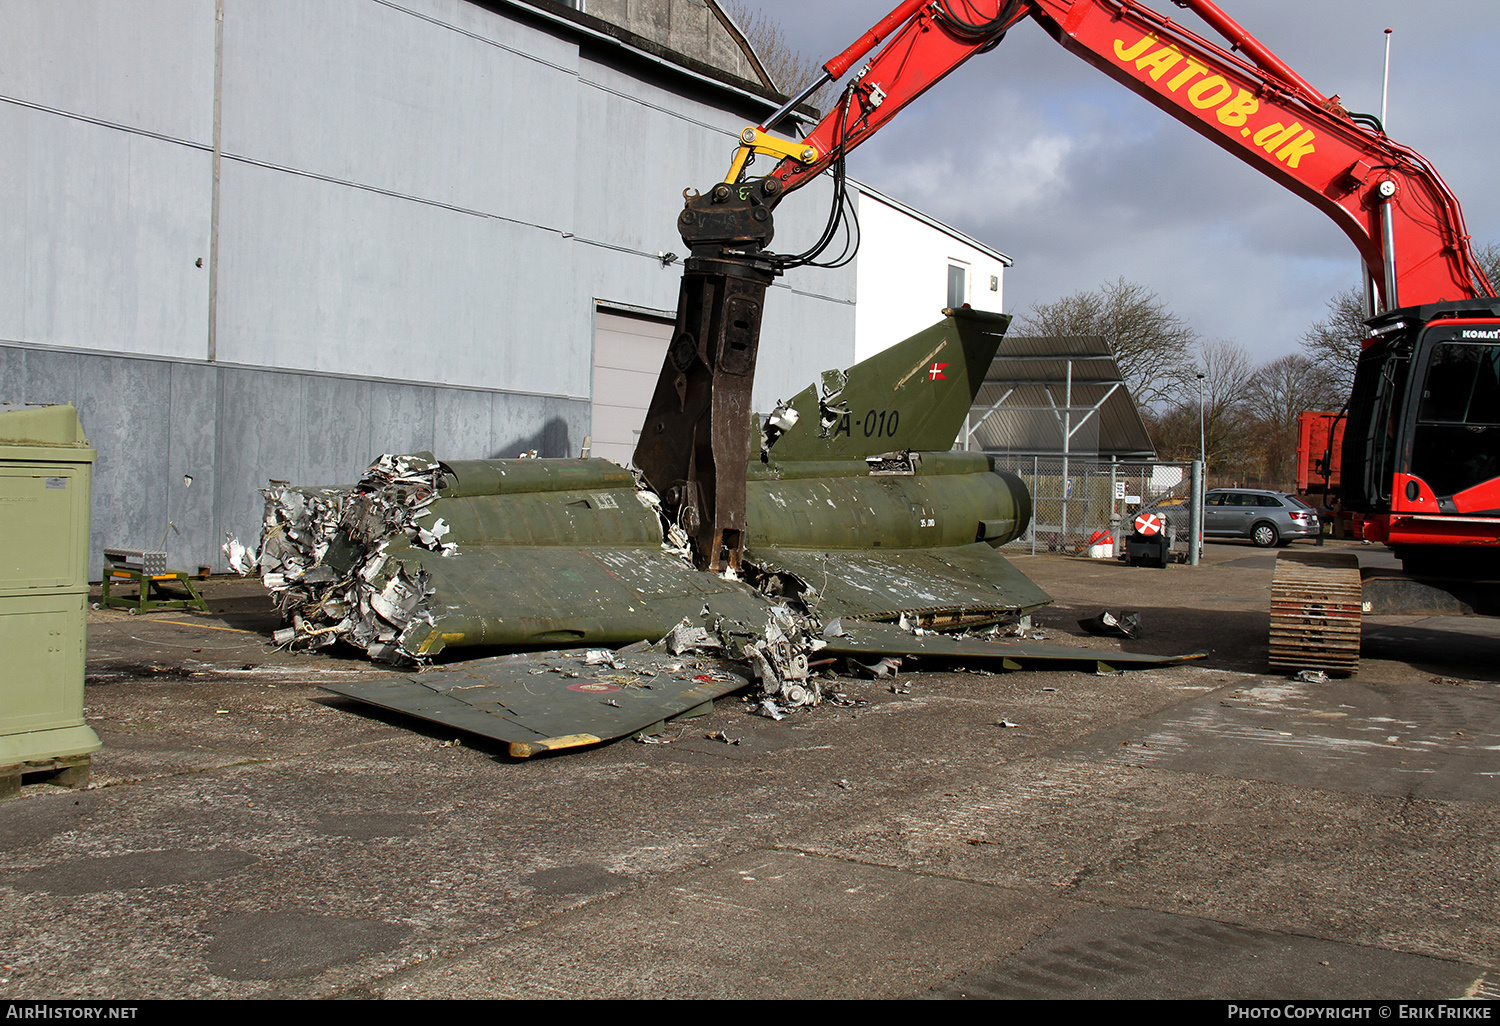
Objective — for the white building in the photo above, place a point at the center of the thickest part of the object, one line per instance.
(910, 266)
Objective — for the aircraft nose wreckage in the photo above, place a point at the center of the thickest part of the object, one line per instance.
(860, 527)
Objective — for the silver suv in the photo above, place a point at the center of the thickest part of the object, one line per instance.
(1266, 518)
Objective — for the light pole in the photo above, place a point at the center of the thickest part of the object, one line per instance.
(1195, 517)
(1202, 446)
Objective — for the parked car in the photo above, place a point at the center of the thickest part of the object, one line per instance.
(1266, 518)
(1173, 510)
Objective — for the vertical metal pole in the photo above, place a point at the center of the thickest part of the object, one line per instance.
(1067, 438)
(1036, 506)
(1195, 516)
(1114, 520)
(1385, 85)
(1202, 438)
(1387, 190)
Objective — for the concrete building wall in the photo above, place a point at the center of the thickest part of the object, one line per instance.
(418, 206)
(903, 272)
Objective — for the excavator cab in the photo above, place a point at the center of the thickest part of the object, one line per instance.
(1426, 416)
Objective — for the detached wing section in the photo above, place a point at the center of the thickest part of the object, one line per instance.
(948, 586)
(543, 701)
(867, 640)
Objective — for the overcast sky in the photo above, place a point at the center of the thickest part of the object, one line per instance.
(1080, 181)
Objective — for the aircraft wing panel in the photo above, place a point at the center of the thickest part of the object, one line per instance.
(542, 701)
(861, 639)
(955, 585)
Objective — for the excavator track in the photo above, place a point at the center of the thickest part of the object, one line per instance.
(1315, 611)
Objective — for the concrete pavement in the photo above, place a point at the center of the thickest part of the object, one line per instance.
(1200, 831)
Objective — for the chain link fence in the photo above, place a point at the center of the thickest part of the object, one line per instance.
(1076, 498)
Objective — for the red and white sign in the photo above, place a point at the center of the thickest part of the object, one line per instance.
(1148, 523)
(935, 372)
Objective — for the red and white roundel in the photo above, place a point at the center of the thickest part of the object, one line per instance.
(1148, 523)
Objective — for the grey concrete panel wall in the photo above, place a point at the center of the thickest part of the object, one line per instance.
(192, 451)
(124, 405)
(517, 425)
(50, 377)
(401, 417)
(318, 429)
(688, 25)
(563, 425)
(102, 229)
(149, 66)
(723, 51)
(348, 280)
(12, 375)
(335, 426)
(372, 94)
(461, 424)
(260, 436)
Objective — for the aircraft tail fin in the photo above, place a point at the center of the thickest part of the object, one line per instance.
(913, 395)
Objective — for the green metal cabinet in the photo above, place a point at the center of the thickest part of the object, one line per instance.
(45, 468)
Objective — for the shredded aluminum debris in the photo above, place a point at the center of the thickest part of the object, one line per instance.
(832, 407)
(1024, 628)
(687, 638)
(777, 423)
(768, 708)
(322, 556)
(887, 667)
(1124, 624)
(780, 658)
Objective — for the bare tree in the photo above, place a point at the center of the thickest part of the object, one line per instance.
(788, 66)
(1210, 411)
(1488, 256)
(1150, 343)
(1334, 342)
(1276, 394)
(1226, 386)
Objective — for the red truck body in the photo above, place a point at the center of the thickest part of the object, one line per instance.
(1314, 453)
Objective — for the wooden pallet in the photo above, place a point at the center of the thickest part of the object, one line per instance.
(64, 771)
(1315, 612)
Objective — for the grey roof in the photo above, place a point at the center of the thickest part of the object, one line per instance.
(690, 37)
(1025, 403)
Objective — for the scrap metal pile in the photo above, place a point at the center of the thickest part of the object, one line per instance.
(323, 556)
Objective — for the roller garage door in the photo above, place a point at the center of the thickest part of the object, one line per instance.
(628, 354)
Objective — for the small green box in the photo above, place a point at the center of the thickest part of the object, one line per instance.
(45, 469)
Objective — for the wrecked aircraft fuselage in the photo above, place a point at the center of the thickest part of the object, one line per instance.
(570, 552)
(864, 534)
(853, 509)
